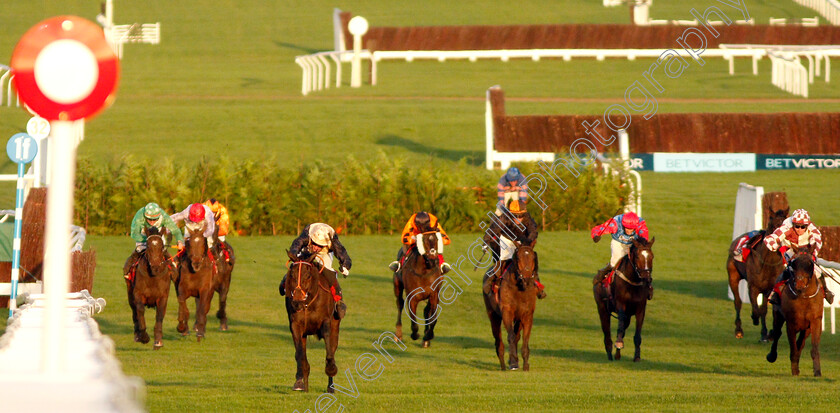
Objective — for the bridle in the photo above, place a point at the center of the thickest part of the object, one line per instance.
(808, 280)
(298, 287)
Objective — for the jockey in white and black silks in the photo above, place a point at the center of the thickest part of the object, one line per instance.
(151, 215)
(320, 239)
(795, 232)
(198, 218)
(624, 228)
(514, 224)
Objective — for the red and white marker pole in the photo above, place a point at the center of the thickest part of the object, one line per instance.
(64, 71)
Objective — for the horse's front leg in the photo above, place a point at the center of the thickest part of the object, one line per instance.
(734, 281)
(133, 313)
(202, 308)
(160, 312)
(412, 315)
(637, 338)
(141, 335)
(496, 327)
(223, 293)
(623, 321)
(527, 323)
(398, 292)
(604, 315)
(183, 312)
(754, 304)
(762, 315)
(507, 319)
(430, 313)
(302, 373)
(330, 333)
(775, 333)
(795, 349)
(816, 332)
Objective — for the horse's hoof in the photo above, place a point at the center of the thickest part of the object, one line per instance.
(144, 338)
(765, 340)
(415, 336)
(526, 367)
(426, 344)
(158, 345)
(298, 386)
(637, 359)
(514, 367)
(330, 389)
(619, 345)
(223, 328)
(754, 320)
(817, 374)
(136, 337)
(198, 337)
(771, 357)
(185, 333)
(739, 334)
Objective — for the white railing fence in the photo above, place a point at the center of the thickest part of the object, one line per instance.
(829, 9)
(7, 93)
(120, 34)
(789, 74)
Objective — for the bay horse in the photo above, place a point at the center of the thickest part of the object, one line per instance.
(197, 270)
(310, 306)
(630, 296)
(802, 309)
(150, 286)
(513, 305)
(221, 280)
(419, 277)
(760, 270)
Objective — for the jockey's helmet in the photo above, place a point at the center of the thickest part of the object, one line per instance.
(196, 213)
(422, 221)
(630, 220)
(516, 207)
(512, 173)
(320, 234)
(801, 216)
(152, 211)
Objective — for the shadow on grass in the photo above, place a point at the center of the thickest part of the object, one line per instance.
(305, 49)
(473, 157)
(389, 279)
(465, 342)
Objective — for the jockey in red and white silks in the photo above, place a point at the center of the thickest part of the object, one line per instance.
(197, 218)
(796, 231)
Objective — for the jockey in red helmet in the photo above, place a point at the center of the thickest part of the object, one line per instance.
(198, 218)
(796, 231)
(624, 229)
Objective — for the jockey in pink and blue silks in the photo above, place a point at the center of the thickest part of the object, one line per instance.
(624, 229)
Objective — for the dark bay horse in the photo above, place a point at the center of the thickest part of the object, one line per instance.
(420, 277)
(632, 279)
(802, 309)
(514, 306)
(196, 271)
(310, 306)
(221, 280)
(760, 270)
(150, 287)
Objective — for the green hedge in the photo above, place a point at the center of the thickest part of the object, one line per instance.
(375, 196)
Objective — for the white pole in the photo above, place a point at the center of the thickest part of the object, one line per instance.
(57, 253)
(357, 26)
(624, 145)
(489, 133)
(109, 12)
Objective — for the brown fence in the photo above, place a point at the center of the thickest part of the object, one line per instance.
(762, 133)
(578, 36)
(831, 243)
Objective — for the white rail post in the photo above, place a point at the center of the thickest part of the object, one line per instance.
(489, 132)
(358, 26)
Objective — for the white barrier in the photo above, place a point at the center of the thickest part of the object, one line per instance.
(505, 158)
(93, 380)
(806, 22)
(120, 34)
(829, 9)
(831, 282)
(789, 74)
(6, 90)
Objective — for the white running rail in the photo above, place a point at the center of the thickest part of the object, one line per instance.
(829, 9)
(6, 90)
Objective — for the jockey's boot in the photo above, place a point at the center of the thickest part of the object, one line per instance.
(132, 259)
(489, 280)
(829, 296)
(774, 298)
(283, 286)
(540, 286)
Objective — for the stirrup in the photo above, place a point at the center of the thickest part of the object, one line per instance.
(445, 268)
(394, 266)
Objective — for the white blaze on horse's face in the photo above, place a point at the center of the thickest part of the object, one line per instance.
(647, 259)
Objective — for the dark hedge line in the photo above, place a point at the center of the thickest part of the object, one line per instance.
(375, 196)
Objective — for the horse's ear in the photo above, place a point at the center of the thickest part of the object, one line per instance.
(652, 240)
(786, 211)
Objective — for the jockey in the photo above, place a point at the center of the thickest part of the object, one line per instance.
(513, 221)
(418, 224)
(511, 185)
(624, 229)
(795, 232)
(741, 251)
(150, 215)
(197, 218)
(321, 239)
(220, 215)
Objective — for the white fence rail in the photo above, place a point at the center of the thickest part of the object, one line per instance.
(7, 95)
(789, 74)
(120, 34)
(829, 9)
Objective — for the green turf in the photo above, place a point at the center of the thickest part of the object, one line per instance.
(691, 360)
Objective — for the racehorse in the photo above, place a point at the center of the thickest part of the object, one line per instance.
(221, 281)
(150, 286)
(802, 308)
(513, 305)
(197, 271)
(420, 277)
(310, 306)
(630, 296)
(760, 270)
